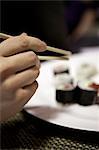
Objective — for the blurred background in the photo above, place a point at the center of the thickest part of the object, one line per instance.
(65, 24)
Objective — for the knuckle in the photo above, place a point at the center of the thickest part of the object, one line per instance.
(24, 41)
(36, 84)
(37, 72)
(22, 95)
(7, 85)
(5, 68)
(25, 94)
(32, 57)
(30, 54)
(34, 73)
(31, 72)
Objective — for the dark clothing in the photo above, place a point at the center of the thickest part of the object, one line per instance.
(51, 21)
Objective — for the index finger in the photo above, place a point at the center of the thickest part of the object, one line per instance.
(21, 43)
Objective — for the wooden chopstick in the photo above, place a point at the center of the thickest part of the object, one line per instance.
(66, 54)
(52, 58)
(57, 50)
(4, 36)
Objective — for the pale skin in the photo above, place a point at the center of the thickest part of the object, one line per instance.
(19, 69)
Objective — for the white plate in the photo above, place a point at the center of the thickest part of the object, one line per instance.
(44, 106)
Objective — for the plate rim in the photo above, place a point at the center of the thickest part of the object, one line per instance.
(91, 130)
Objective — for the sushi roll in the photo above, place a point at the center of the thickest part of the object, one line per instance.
(97, 101)
(86, 71)
(95, 86)
(85, 94)
(65, 88)
(61, 69)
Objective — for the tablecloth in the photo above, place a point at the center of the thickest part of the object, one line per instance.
(20, 132)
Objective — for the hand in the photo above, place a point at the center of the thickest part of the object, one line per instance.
(19, 68)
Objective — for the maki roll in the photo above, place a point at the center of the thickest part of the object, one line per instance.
(86, 71)
(64, 88)
(85, 94)
(97, 101)
(61, 69)
(96, 86)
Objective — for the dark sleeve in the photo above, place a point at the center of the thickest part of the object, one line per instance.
(43, 19)
(52, 23)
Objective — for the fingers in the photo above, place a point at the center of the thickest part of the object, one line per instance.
(21, 79)
(24, 94)
(36, 44)
(23, 61)
(19, 70)
(16, 105)
(19, 44)
(26, 77)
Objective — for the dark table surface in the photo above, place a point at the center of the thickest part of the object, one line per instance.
(24, 132)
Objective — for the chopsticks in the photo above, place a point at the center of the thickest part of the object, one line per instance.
(53, 57)
(4, 36)
(57, 50)
(66, 54)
